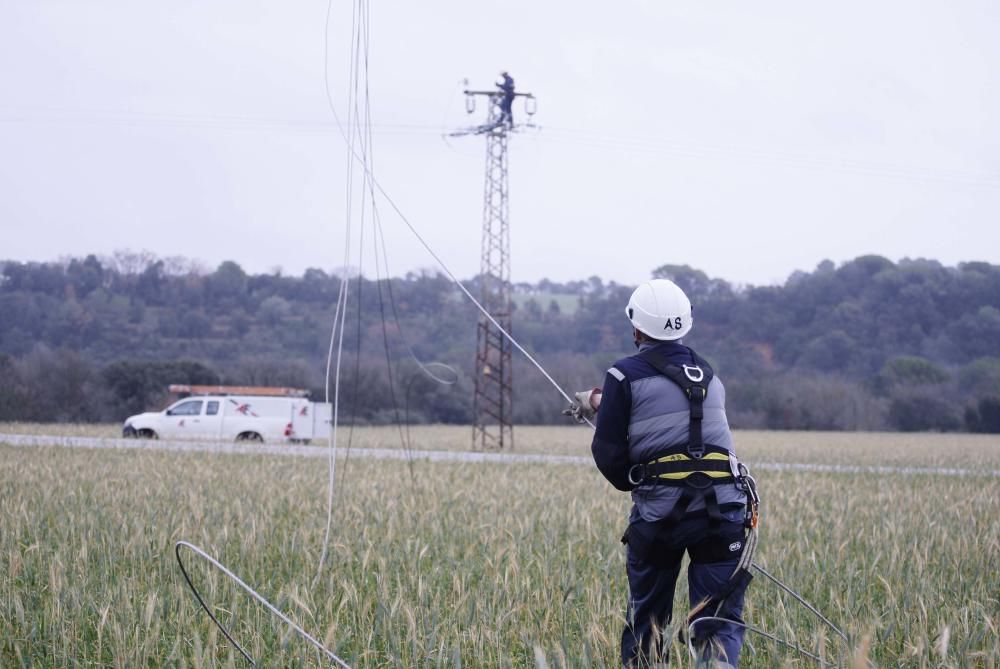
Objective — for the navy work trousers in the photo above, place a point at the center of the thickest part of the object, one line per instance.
(653, 563)
(506, 111)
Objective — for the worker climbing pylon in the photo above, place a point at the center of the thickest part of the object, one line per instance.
(506, 85)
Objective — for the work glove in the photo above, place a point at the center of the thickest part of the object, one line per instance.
(584, 407)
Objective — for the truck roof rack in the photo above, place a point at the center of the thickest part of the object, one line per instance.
(262, 391)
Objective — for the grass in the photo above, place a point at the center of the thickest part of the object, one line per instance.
(474, 565)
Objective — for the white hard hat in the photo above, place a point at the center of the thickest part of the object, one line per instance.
(660, 309)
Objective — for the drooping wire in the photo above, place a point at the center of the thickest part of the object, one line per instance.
(363, 128)
(751, 628)
(745, 563)
(360, 41)
(376, 226)
(253, 593)
(333, 363)
(338, 328)
(444, 266)
(425, 368)
(801, 600)
(333, 366)
(472, 298)
(365, 140)
(388, 353)
(689, 637)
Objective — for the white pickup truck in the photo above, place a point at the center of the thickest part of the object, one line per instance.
(234, 418)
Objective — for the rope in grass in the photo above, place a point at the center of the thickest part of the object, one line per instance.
(751, 628)
(801, 601)
(340, 663)
(253, 593)
(799, 598)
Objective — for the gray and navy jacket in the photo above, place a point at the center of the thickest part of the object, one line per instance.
(642, 415)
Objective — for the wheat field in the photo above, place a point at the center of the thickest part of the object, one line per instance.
(476, 565)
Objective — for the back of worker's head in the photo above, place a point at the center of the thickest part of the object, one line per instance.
(660, 310)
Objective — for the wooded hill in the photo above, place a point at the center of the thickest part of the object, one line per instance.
(870, 344)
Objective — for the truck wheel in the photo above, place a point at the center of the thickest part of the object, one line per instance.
(146, 433)
(249, 436)
(128, 432)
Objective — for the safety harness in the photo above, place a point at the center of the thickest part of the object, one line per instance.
(698, 468)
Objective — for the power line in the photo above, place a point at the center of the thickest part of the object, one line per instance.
(645, 143)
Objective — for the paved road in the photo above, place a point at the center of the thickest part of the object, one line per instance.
(31, 440)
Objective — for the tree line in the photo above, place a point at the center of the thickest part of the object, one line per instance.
(866, 345)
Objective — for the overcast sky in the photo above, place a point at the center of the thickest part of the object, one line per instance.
(745, 139)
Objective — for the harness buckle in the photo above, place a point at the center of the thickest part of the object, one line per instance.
(700, 396)
(642, 469)
(748, 482)
(699, 480)
(697, 377)
(749, 486)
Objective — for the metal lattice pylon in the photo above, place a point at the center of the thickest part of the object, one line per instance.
(492, 410)
(492, 403)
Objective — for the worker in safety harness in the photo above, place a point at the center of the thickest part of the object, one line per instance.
(506, 85)
(662, 434)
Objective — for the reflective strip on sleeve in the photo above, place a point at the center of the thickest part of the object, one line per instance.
(615, 372)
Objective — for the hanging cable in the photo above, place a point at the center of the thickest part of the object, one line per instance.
(353, 155)
(358, 151)
(471, 298)
(253, 593)
(801, 601)
(424, 367)
(689, 638)
(423, 242)
(694, 653)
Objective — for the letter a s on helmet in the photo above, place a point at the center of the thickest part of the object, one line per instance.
(660, 309)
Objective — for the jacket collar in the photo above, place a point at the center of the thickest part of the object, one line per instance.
(666, 347)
